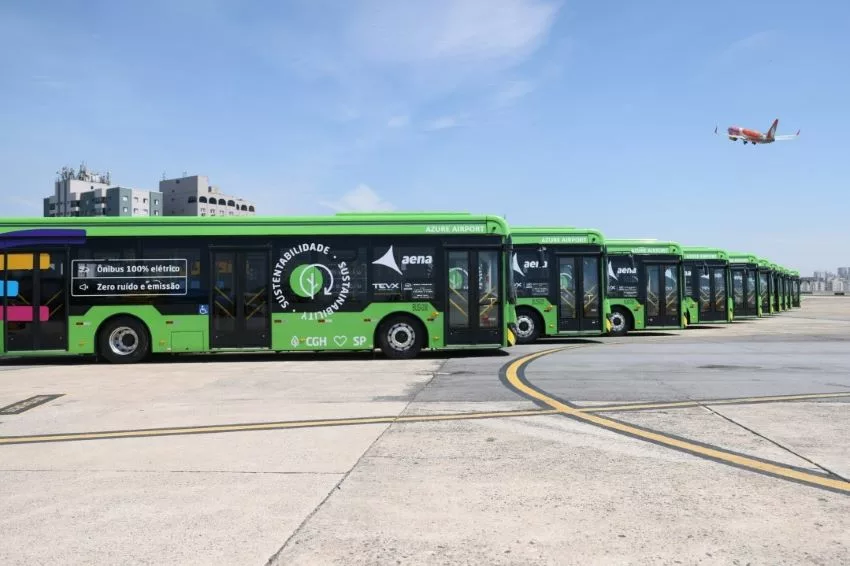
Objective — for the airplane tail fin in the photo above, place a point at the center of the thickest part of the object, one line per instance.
(772, 131)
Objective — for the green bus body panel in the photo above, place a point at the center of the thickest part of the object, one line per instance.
(567, 236)
(191, 330)
(549, 313)
(290, 332)
(642, 247)
(695, 253)
(635, 307)
(342, 224)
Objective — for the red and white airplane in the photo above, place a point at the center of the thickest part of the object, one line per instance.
(755, 137)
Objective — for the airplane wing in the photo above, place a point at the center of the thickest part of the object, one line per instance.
(786, 138)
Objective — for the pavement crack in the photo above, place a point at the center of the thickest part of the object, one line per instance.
(775, 443)
(338, 485)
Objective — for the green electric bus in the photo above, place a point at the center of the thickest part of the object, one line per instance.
(745, 285)
(783, 288)
(644, 285)
(707, 284)
(765, 287)
(559, 275)
(788, 278)
(776, 288)
(123, 288)
(795, 289)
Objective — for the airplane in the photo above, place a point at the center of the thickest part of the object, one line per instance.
(755, 137)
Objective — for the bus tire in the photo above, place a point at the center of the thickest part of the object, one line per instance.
(123, 340)
(621, 321)
(529, 325)
(401, 337)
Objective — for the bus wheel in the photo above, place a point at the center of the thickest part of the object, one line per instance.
(620, 322)
(528, 326)
(123, 340)
(401, 337)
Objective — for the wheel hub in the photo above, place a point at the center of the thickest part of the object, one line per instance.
(123, 341)
(618, 321)
(524, 326)
(401, 336)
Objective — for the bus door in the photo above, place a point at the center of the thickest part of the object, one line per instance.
(712, 292)
(474, 296)
(764, 292)
(579, 301)
(662, 300)
(33, 300)
(751, 292)
(241, 308)
(744, 291)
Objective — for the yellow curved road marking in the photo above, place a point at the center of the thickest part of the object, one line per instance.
(513, 377)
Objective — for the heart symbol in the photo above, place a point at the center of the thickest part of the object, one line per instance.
(340, 340)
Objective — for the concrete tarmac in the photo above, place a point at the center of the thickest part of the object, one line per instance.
(543, 488)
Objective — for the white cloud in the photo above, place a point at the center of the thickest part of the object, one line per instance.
(360, 199)
(434, 31)
(398, 121)
(442, 123)
(756, 41)
(513, 91)
(743, 53)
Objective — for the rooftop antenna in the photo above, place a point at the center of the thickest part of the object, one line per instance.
(163, 175)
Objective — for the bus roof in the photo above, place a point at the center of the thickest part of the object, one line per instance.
(740, 257)
(555, 235)
(643, 247)
(345, 223)
(696, 253)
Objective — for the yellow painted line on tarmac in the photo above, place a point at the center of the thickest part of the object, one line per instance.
(280, 425)
(518, 383)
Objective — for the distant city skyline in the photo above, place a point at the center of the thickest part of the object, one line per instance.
(84, 193)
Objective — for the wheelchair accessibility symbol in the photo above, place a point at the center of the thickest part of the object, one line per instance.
(203, 309)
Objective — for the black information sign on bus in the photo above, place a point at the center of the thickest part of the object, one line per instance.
(128, 277)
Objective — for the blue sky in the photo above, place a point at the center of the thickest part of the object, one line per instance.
(597, 114)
